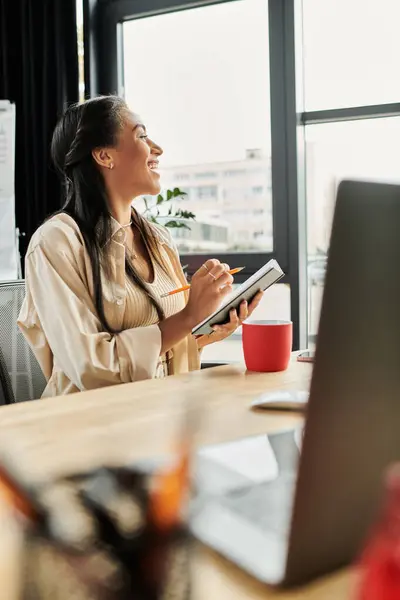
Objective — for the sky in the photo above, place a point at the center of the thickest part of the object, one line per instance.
(200, 80)
(200, 77)
(351, 50)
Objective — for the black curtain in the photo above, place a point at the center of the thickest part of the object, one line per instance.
(38, 72)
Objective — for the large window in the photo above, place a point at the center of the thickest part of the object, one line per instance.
(351, 83)
(200, 79)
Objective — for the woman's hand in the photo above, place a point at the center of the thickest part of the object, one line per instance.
(220, 332)
(208, 287)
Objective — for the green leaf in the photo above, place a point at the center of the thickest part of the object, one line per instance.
(170, 195)
(178, 192)
(185, 214)
(171, 224)
(160, 199)
(176, 225)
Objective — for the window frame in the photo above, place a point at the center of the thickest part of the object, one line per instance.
(104, 75)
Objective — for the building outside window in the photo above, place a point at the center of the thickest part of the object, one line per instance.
(209, 192)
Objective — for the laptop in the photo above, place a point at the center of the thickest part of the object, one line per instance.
(299, 504)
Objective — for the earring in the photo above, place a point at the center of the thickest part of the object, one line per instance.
(111, 166)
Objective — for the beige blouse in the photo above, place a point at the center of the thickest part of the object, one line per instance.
(60, 322)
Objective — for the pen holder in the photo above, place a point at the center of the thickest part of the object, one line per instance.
(111, 534)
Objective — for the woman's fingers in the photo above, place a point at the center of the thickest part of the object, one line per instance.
(225, 290)
(209, 267)
(205, 269)
(214, 270)
(233, 318)
(220, 275)
(217, 270)
(230, 327)
(243, 311)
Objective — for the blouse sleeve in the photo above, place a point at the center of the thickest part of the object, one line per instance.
(90, 357)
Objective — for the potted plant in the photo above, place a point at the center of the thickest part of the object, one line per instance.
(175, 218)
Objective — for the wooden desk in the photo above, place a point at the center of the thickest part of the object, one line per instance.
(113, 425)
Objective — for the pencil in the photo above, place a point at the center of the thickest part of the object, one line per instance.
(187, 287)
(15, 496)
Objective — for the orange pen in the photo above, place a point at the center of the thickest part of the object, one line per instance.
(15, 496)
(187, 287)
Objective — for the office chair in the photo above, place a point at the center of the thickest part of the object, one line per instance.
(6, 393)
(25, 377)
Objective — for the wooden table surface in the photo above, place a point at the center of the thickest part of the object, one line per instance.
(114, 425)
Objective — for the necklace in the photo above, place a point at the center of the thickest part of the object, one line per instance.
(132, 254)
(130, 249)
(127, 225)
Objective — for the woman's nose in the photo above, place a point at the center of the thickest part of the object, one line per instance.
(156, 149)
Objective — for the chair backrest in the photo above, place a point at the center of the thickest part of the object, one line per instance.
(6, 392)
(25, 374)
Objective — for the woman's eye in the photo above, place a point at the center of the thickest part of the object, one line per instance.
(143, 137)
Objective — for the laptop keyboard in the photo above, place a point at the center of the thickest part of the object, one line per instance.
(268, 505)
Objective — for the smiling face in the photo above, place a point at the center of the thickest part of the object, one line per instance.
(133, 161)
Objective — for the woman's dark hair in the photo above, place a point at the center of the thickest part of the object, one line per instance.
(94, 124)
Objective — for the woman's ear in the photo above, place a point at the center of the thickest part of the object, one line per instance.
(103, 158)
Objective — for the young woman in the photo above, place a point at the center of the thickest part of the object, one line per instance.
(96, 271)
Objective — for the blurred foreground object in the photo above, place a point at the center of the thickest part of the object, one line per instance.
(111, 534)
(380, 561)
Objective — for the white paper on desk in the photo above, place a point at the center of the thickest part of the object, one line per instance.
(252, 458)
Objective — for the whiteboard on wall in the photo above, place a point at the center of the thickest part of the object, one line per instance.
(9, 255)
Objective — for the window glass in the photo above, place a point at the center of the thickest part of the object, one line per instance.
(208, 107)
(351, 52)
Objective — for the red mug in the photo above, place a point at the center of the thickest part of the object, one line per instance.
(267, 345)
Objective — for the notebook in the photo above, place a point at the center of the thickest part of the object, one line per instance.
(261, 280)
